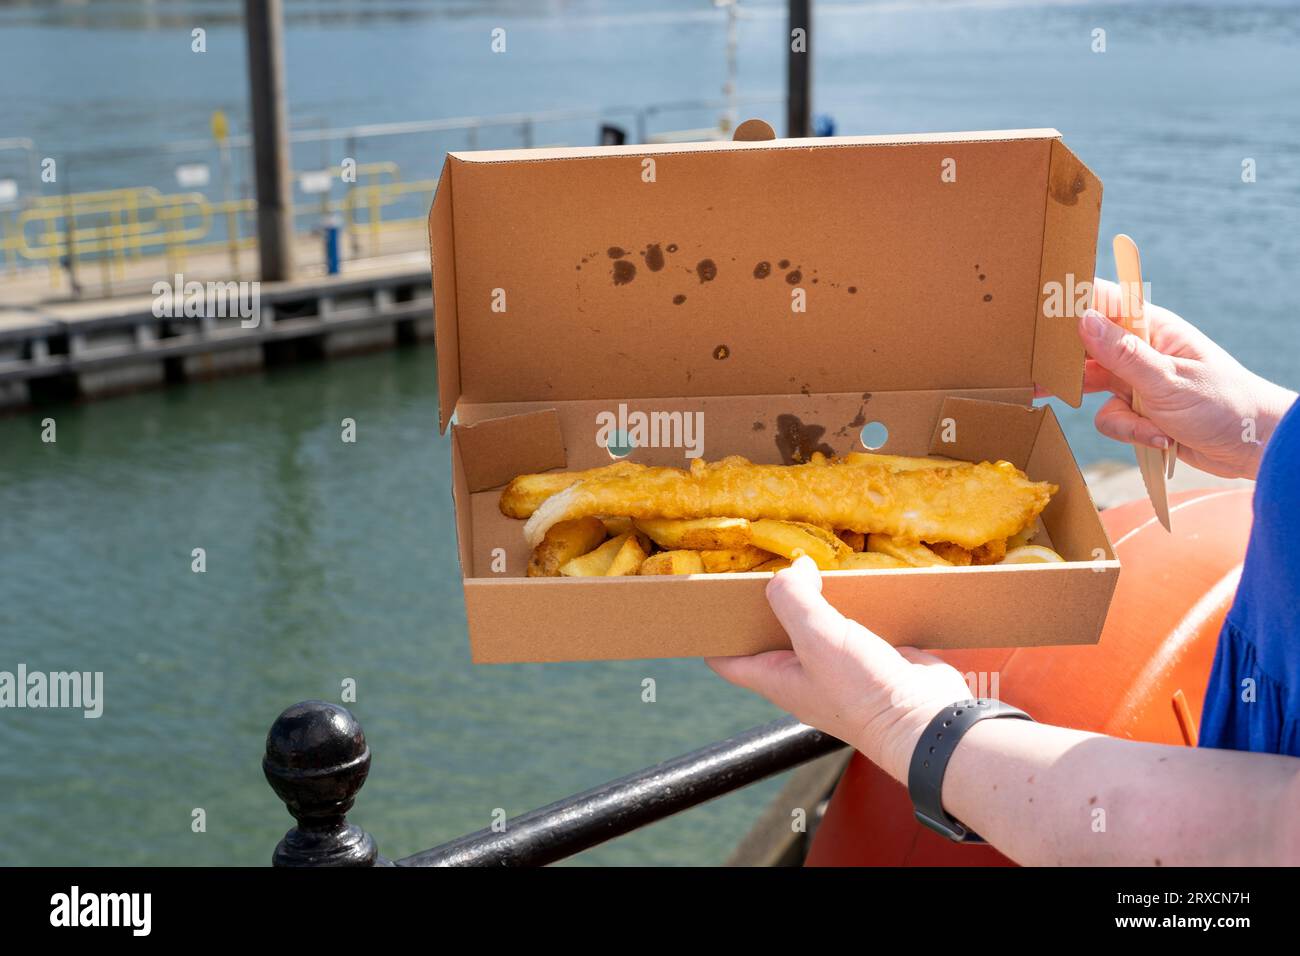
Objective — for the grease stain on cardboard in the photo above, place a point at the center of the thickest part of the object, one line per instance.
(624, 272)
(796, 442)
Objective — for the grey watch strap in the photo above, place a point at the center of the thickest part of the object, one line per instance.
(930, 761)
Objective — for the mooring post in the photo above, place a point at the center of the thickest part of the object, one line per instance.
(316, 762)
(264, 24)
(798, 96)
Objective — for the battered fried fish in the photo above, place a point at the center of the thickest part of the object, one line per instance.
(965, 503)
(525, 494)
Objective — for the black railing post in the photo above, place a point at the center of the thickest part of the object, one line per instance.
(316, 762)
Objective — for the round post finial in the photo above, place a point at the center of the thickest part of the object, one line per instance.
(316, 762)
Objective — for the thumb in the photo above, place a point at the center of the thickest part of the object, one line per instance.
(818, 632)
(796, 598)
(1125, 354)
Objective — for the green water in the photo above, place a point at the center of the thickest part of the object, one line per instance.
(325, 561)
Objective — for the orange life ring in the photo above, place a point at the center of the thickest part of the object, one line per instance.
(1144, 680)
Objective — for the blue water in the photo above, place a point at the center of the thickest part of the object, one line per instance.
(328, 561)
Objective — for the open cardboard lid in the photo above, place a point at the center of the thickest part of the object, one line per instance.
(932, 261)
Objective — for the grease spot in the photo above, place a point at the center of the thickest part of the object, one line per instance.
(1066, 189)
(796, 442)
(678, 299)
(783, 264)
(654, 258)
(616, 252)
(983, 277)
(853, 290)
(707, 270)
(721, 352)
(859, 419)
(759, 426)
(624, 272)
(762, 270)
(794, 277)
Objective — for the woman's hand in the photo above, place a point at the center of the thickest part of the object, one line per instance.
(1193, 392)
(1030, 789)
(842, 678)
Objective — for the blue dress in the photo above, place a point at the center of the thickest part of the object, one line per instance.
(1252, 701)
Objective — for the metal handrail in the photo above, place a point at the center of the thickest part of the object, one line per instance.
(138, 219)
(467, 123)
(112, 225)
(317, 761)
(108, 237)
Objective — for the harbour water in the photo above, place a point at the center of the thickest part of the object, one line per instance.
(328, 560)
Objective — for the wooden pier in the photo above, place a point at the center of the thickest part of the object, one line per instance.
(89, 349)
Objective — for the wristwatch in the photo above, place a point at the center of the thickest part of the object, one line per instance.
(930, 761)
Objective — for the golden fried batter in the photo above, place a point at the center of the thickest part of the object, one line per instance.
(967, 504)
(525, 494)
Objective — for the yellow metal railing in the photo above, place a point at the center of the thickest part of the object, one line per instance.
(108, 228)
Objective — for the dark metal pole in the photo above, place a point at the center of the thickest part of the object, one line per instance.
(264, 22)
(799, 69)
(70, 232)
(582, 821)
(317, 760)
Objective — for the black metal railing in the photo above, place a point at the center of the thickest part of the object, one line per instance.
(317, 761)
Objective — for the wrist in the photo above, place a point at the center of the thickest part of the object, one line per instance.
(1271, 404)
(898, 745)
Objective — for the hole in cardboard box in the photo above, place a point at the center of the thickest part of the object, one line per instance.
(874, 435)
(619, 445)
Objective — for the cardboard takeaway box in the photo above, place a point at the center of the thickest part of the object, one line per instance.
(575, 287)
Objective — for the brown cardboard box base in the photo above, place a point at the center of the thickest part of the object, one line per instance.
(514, 618)
(953, 376)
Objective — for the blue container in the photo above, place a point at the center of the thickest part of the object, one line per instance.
(332, 231)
